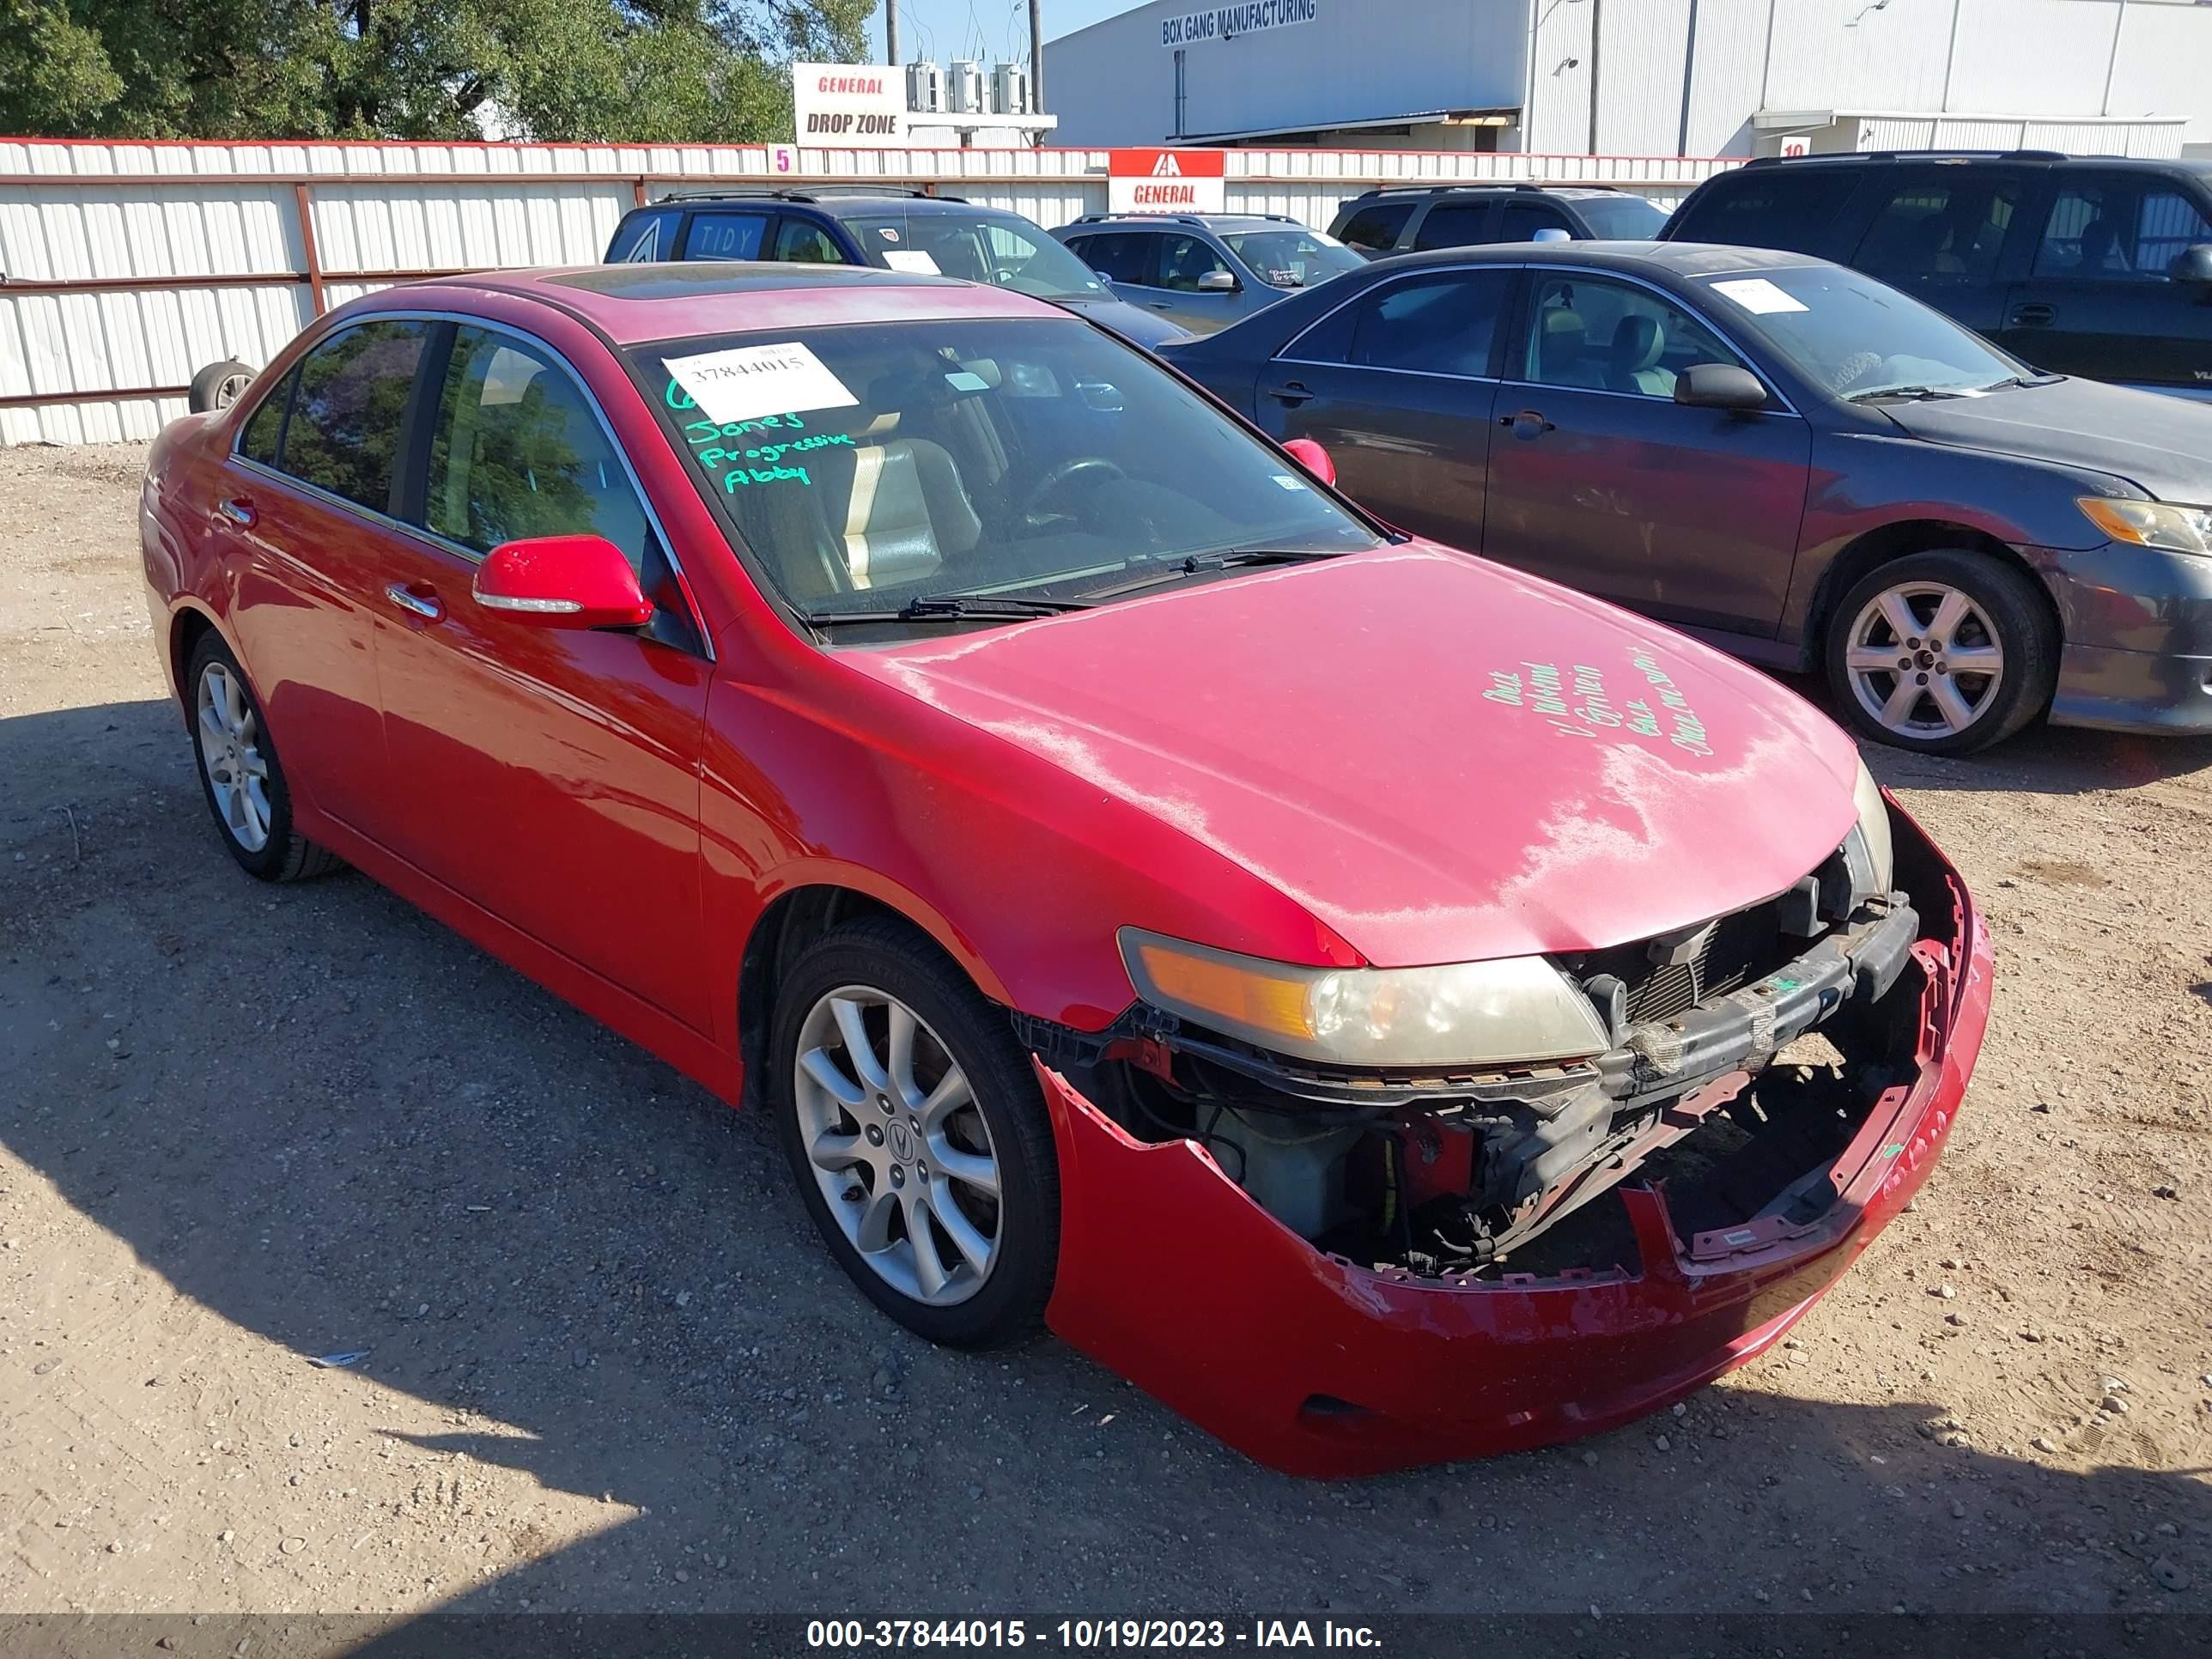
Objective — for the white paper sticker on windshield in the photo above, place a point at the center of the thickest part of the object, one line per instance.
(747, 382)
(1285, 481)
(1758, 295)
(911, 258)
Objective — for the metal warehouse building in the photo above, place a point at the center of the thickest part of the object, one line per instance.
(1642, 77)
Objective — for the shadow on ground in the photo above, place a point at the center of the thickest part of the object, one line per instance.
(341, 1126)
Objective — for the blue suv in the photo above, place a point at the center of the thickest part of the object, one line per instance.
(890, 228)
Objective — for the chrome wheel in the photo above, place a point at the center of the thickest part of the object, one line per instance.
(894, 1138)
(227, 389)
(230, 752)
(1924, 660)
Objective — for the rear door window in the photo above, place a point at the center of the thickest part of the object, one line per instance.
(1455, 224)
(725, 236)
(1375, 228)
(1783, 206)
(2119, 228)
(1122, 256)
(1947, 223)
(344, 431)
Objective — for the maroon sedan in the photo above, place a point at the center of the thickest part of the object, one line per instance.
(1389, 1006)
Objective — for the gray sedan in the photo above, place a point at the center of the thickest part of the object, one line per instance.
(1783, 456)
(1206, 272)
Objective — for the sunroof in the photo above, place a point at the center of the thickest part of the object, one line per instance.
(694, 279)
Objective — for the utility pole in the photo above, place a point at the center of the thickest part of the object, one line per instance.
(891, 33)
(1036, 59)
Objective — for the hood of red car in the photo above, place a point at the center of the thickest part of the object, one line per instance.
(1440, 759)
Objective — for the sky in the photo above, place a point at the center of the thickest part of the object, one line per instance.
(986, 30)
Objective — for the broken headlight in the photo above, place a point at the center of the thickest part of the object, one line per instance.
(1511, 1011)
(1873, 830)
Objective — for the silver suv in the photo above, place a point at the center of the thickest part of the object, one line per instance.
(1206, 272)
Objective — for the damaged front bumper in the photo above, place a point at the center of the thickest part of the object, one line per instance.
(1171, 1275)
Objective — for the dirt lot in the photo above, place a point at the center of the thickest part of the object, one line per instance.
(610, 1370)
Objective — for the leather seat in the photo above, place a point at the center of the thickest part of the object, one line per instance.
(1639, 340)
(905, 510)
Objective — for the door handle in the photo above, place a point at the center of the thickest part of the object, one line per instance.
(2035, 314)
(237, 509)
(417, 597)
(1528, 423)
(1161, 305)
(1290, 392)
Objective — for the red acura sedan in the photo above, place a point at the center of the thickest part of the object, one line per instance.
(1388, 1006)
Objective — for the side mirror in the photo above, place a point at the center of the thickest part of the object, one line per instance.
(562, 581)
(1719, 386)
(1217, 282)
(1549, 234)
(1312, 457)
(2192, 264)
(1104, 276)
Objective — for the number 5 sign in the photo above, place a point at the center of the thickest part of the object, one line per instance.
(783, 158)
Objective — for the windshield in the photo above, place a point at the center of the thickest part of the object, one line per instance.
(868, 466)
(981, 247)
(1621, 218)
(1292, 258)
(1859, 338)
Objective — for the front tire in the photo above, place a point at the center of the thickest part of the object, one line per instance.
(239, 774)
(1945, 653)
(917, 1131)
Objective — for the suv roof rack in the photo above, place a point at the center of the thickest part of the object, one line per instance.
(809, 193)
(1914, 156)
(1531, 184)
(1198, 219)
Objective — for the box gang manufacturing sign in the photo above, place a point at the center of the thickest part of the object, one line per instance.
(851, 105)
(1166, 181)
(1222, 22)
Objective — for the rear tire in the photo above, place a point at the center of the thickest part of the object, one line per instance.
(240, 776)
(1943, 653)
(876, 1160)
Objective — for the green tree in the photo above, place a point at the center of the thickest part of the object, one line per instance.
(669, 71)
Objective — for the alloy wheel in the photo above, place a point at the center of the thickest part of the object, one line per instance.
(1924, 660)
(897, 1146)
(228, 389)
(230, 752)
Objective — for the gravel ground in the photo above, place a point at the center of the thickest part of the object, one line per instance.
(610, 1370)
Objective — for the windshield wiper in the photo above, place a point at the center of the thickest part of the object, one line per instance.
(946, 607)
(1910, 394)
(1198, 563)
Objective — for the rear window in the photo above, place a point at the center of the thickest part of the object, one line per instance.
(644, 237)
(1781, 208)
(343, 433)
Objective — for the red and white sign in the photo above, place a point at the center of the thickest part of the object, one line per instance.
(1167, 180)
(1794, 146)
(848, 106)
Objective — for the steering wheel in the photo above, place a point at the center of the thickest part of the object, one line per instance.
(1098, 468)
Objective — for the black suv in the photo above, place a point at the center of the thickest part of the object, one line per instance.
(2093, 265)
(1399, 219)
(889, 228)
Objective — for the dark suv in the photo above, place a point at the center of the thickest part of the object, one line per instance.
(890, 228)
(2092, 265)
(1398, 219)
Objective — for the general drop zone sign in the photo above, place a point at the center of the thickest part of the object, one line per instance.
(1166, 181)
(848, 106)
(1225, 22)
